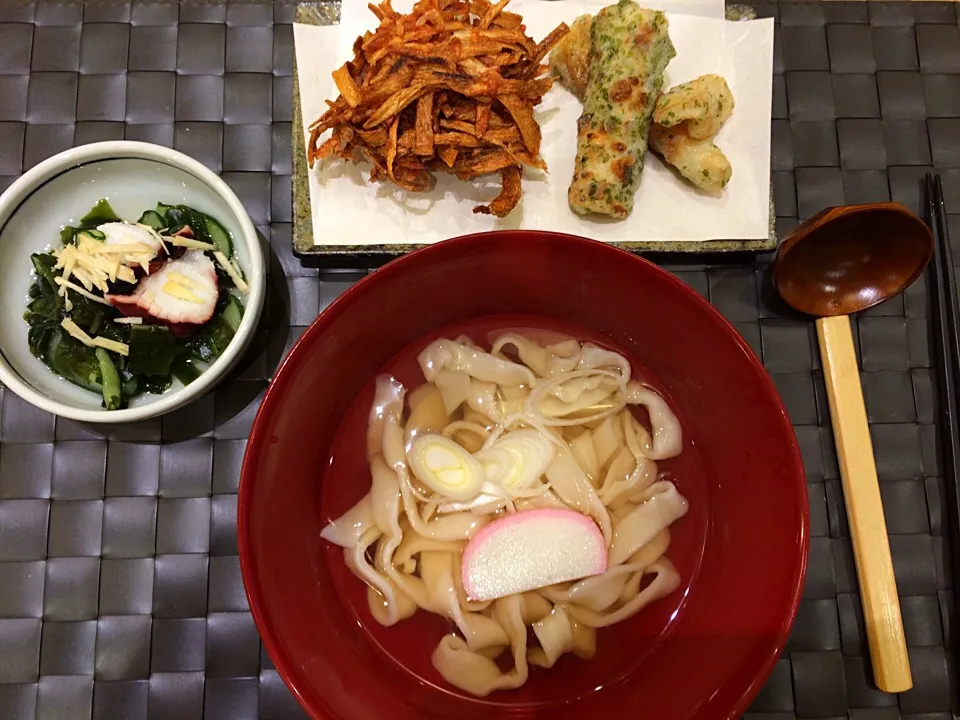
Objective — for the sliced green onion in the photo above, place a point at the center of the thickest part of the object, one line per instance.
(445, 467)
(518, 459)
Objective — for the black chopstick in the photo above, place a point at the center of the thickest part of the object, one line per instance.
(948, 357)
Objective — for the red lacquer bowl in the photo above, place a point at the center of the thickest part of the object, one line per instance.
(703, 652)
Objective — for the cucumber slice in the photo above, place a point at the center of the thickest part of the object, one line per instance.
(174, 219)
(233, 312)
(205, 228)
(208, 344)
(185, 369)
(94, 235)
(181, 215)
(130, 387)
(153, 219)
(219, 236)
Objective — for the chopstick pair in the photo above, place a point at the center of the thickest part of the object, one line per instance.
(947, 315)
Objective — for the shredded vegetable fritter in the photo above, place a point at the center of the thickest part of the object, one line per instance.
(450, 87)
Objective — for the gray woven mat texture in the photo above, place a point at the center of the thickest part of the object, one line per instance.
(120, 589)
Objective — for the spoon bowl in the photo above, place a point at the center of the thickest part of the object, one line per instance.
(847, 259)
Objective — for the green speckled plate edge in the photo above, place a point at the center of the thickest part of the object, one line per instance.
(327, 12)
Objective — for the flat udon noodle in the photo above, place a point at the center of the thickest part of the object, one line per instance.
(594, 356)
(667, 436)
(347, 529)
(607, 439)
(585, 453)
(398, 593)
(454, 526)
(557, 634)
(387, 603)
(571, 485)
(577, 397)
(666, 579)
(451, 355)
(454, 387)
(469, 435)
(406, 542)
(483, 399)
(428, 414)
(663, 506)
(546, 361)
(474, 672)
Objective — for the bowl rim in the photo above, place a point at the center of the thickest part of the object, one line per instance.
(72, 158)
(287, 667)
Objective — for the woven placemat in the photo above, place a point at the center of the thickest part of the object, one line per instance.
(120, 590)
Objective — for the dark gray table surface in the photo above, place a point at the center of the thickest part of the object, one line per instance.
(120, 589)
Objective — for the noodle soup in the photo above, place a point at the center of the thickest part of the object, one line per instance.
(537, 416)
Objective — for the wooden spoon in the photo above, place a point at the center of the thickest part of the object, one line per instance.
(841, 261)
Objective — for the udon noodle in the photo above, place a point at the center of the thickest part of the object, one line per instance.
(405, 538)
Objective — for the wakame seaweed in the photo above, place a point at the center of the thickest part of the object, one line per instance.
(152, 350)
(99, 214)
(154, 355)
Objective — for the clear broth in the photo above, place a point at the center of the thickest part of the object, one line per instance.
(410, 643)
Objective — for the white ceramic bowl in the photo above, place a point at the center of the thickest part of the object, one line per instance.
(133, 177)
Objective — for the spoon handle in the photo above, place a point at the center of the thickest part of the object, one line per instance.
(861, 491)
